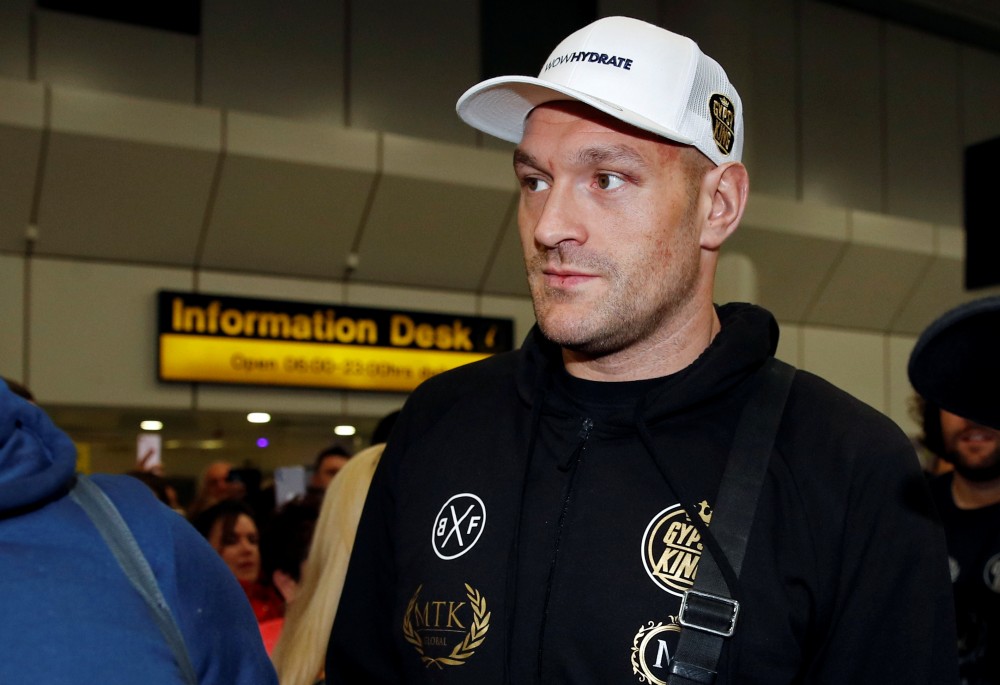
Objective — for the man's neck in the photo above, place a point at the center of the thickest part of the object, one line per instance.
(969, 494)
(653, 358)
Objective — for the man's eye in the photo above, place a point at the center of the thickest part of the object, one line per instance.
(534, 184)
(609, 181)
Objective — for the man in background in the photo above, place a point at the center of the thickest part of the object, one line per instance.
(214, 485)
(967, 496)
(326, 465)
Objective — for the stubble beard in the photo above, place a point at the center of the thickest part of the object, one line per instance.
(621, 317)
(983, 472)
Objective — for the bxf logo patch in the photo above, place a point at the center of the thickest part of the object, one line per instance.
(458, 526)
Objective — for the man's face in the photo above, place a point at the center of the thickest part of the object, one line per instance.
(975, 449)
(217, 480)
(328, 468)
(608, 229)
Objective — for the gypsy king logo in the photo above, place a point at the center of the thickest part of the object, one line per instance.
(671, 548)
(446, 631)
(652, 649)
(723, 122)
(458, 526)
(991, 573)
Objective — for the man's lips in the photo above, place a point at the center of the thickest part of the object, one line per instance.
(566, 277)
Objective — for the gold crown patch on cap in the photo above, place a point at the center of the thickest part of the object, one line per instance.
(723, 122)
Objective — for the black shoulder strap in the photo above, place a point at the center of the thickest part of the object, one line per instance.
(708, 610)
(119, 538)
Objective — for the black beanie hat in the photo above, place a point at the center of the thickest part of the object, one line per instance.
(956, 361)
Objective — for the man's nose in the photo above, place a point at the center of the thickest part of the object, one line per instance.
(560, 219)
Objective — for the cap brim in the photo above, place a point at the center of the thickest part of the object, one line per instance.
(499, 106)
(956, 364)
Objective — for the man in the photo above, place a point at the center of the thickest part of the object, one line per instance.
(72, 613)
(968, 497)
(326, 465)
(540, 516)
(214, 486)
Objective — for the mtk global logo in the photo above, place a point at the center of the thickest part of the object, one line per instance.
(446, 631)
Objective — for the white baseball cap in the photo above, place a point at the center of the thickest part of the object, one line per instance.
(639, 73)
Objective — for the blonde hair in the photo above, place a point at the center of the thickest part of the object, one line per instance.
(300, 653)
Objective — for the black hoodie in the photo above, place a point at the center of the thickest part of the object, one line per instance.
(526, 526)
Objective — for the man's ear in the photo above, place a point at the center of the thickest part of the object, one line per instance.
(729, 186)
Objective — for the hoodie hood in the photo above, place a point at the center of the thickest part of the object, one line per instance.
(748, 337)
(37, 460)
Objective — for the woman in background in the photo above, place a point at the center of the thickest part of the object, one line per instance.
(301, 649)
(230, 528)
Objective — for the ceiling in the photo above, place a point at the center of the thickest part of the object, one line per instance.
(127, 180)
(97, 176)
(89, 175)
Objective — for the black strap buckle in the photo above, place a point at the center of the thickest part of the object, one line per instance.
(709, 613)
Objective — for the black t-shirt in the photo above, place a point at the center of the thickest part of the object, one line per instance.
(578, 411)
(974, 557)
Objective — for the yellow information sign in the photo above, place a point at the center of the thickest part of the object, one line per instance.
(222, 339)
(263, 362)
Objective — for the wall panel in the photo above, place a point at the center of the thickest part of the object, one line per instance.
(841, 105)
(900, 392)
(280, 58)
(922, 124)
(12, 317)
(851, 360)
(93, 334)
(770, 102)
(15, 57)
(410, 65)
(105, 55)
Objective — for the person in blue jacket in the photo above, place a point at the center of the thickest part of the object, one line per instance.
(70, 612)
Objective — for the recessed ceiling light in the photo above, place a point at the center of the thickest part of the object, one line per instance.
(151, 425)
(258, 417)
(345, 430)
